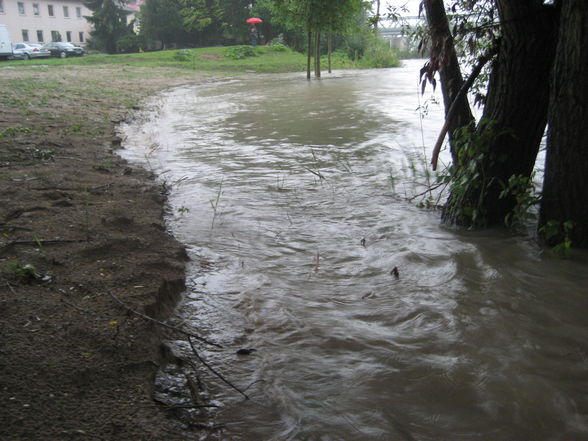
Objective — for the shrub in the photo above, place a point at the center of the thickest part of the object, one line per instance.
(379, 54)
(128, 44)
(240, 52)
(278, 47)
(184, 55)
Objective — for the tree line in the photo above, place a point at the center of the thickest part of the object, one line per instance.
(196, 23)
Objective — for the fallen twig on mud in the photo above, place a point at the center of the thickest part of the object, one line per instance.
(185, 406)
(77, 307)
(211, 369)
(11, 288)
(190, 336)
(160, 323)
(41, 242)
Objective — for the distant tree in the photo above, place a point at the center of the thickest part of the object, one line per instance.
(161, 20)
(109, 20)
(276, 21)
(234, 29)
(316, 16)
(202, 19)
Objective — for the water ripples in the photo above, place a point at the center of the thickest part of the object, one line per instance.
(482, 336)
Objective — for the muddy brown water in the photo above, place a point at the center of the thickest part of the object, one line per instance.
(292, 199)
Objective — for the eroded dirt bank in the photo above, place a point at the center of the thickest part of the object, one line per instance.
(78, 224)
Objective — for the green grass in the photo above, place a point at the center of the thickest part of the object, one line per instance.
(212, 59)
(206, 59)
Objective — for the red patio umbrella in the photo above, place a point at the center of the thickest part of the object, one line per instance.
(254, 20)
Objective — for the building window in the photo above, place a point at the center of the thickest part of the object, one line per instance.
(68, 36)
(36, 10)
(25, 35)
(21, 8)
(55, 36)
(81, 37)
(50, 10)
(1, 6)
(40, 38)
(66, 12)
(79, 12)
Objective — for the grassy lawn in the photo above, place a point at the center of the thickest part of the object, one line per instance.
(214, 59)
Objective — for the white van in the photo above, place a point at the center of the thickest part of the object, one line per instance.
(5, 43)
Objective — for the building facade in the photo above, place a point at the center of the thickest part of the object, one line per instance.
(43, 21)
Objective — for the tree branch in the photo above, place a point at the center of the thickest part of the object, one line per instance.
(460, 94)
(165, 325)
(211, 369)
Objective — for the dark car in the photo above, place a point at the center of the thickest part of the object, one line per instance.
(63, 50)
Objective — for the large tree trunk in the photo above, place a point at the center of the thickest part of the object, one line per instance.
(565, 191)
(518, 97)
(444, 60)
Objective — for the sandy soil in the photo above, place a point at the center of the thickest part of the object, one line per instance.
(78, 225)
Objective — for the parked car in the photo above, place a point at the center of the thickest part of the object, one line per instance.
(63, 50)
(29, 50)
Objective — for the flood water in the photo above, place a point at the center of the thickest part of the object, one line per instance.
(291, 197)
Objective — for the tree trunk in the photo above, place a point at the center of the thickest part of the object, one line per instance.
(329, 49)
(518, 97)
(317, 55)
(377, 20)
(308, 55)
(508, 137)
(444, 60)
(565, 192)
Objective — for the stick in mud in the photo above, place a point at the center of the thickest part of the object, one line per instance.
(165, 325)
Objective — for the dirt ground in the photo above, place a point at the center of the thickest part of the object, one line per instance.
(79, 226)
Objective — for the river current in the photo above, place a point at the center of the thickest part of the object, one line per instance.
(370, 319)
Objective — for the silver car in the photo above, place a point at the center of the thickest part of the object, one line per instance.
(27, 51)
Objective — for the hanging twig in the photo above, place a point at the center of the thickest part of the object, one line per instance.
(211, 369)
(428, 190)
(165, 325)
(459, 96)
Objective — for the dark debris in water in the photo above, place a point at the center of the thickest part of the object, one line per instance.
(395, 273)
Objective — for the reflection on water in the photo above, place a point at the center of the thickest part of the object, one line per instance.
(291, 196)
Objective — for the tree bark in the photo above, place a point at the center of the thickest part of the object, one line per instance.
(518, 97)
(565, 192)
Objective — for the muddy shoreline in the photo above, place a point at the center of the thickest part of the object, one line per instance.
(79, 224)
